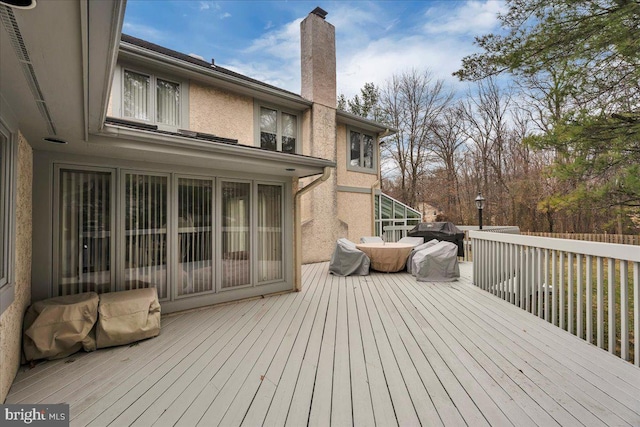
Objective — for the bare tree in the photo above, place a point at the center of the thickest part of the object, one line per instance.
(412, 102)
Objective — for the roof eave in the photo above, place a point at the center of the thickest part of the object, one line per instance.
(364, 123)
(294, 165)
(132, 51)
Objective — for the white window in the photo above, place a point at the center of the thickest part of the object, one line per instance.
(278, 130)
(147, 97)
(362, 149)
(6, 215)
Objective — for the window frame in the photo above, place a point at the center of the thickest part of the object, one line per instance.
(279, 134)
(117, 96)
(374, 161)
(7, 215)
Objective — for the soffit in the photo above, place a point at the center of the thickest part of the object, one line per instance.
(70, 51)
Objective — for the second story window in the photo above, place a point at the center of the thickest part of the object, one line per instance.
(145, 96)
(278, 130)
(141, 102)
(362, 152)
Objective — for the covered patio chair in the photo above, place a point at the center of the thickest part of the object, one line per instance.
(348, 260)
(412, 240)
(418, 249)
(371, 239)
(438, 263)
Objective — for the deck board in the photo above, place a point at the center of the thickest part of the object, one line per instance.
(381, 349)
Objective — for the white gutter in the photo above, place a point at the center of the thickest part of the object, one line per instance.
(297, 213)
(373, 207)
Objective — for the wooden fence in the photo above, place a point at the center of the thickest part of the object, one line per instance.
(622, 239)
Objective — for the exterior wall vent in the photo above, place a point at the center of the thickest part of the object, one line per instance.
(13, 31)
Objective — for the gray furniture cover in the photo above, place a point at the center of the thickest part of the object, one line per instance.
(416, 250)
(371, 239)
(348, 260)
(438, 263)
(412, 240)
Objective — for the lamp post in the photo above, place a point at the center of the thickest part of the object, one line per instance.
(480, 205)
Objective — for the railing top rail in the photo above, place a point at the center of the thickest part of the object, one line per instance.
(605, 250)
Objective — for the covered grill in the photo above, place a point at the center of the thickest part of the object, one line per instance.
(442, 231)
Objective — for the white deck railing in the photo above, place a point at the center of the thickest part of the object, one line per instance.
(582, 287)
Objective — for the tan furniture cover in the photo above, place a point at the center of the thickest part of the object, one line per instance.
(127, 316)
(60, 326)
(387, 257)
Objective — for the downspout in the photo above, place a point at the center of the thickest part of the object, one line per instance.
(381, 135)
(373, 206)
(326, 173)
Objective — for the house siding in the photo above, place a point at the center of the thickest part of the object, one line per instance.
(221, 113)
(11, 319)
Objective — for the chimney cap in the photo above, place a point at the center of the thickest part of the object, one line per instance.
(320, 12)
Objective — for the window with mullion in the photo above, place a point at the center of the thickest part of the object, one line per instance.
(151, 99)
(278, 131)
(268, 129)
(362, 156)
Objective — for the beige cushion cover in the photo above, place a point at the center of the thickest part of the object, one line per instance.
(127, 316)
(57, 327)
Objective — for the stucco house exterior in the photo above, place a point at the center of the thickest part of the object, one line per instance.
(125, 164)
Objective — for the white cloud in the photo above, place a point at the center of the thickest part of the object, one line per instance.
(225, 15)
(472, 17)
(368, 51)
(205, 5)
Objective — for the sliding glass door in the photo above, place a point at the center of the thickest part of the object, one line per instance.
(270, 233)
(84, 230)
(236, 234)
(195, 236)
(145, 232)
(185, 235)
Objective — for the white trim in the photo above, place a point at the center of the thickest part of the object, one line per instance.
(597, 249)
(8, 168)
(374, 162)
(57, 168)
(257, 105)
(117, 98)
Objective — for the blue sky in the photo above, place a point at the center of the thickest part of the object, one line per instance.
(374, 39)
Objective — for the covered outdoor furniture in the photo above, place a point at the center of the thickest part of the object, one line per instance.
(438, 263)
(442, 231)
(128, 316)
(416, 250)
(348, 260)
(387, 257)
(412, 240)
(371, 239)
(58, 327)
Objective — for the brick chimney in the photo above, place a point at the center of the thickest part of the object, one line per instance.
(318, 44)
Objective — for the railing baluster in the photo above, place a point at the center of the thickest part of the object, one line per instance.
(589, 299)
(570, 288)
(624, 310)
(579, 308)
(561, 291)
(600, 303)
(523, 279)
(554, 290)
(611, 299)
(546, 285)
(514, 273)
(540, 279)
(636, 313)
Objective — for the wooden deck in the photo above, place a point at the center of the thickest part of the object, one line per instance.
(376, 350)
